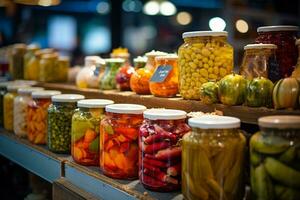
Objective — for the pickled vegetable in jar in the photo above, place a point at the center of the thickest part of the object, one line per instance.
(8, 106)
(160, 149)
(140, 62)
(47, 65)
(274, 158)
(108, 80)
(20, 110)
(29, 67)
(62, 69)
(60, 114)
(204, 56)
(260, 61)
(119, 132)
(213, 156)
(85, 130)
(164, 81)
(37, 114)
(16, 63)
(123, 77)
(3, 91)
(284, 37)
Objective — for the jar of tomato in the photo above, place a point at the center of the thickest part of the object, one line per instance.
(108, 80)
(164, 81)
(85, 130)
(160, 150)
(139, 82)
(284, 37)
(37, 113)
(119, 140)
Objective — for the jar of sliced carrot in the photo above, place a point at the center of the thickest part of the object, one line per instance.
(119, 140)
(160, 150)
(85, 130)
(37, 113)
(164, 81)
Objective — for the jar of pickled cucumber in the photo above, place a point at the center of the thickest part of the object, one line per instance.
(108, 80)
(160, 149)
(274, 158)
(8, 106)
(85, 130)
(16, 63)
(20, 110)
(47, 65)
(139, 81)
(29, 67)
(119, 132)
(204, 56)
(60, 114)
(37, 113)
(62, 68)
(213, 156)
(164, 81)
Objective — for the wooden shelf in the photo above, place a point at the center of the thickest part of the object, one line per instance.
(246, 114)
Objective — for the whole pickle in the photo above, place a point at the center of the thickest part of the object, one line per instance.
(269, 144)
(263, 186)
(285, 193)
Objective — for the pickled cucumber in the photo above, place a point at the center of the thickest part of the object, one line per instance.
(289, 155)
(269, 144)
(263, 185)
(285, 193)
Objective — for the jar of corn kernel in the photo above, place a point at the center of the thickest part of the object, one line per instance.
(204, 56)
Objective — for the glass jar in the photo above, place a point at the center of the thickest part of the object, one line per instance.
(85, 131)
(3, 91)
(139, 62)
(284, 37)
(20, 110)
(108, 80)
(60, 114)
(139, 81)
(204, 56)
(296, 72)
(16, 63)
(168, 86)
(37, 113)
(119, 140)
(123, 77)
(47, 72)
(274, 158)
(160, 150)
(30, 72)
(8, 106)
(213, 156)
(62, 69)
(260, 61)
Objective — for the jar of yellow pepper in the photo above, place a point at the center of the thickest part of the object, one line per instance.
(47, 71)
(204, 56)
(30, 67)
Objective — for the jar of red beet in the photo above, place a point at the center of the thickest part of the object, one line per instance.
(119, 132)
(284, 37)
(160, 150)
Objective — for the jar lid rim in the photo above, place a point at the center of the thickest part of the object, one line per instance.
(114, 60)
(260, 46)
(164, 114)
(215, 122)
(94, 103)
(155, 53)
(277, 28)
(140, 59)
(29, 90)
(45, 94)
(204, 33)
(125, 108)
(67, 98)
(279, 121)
(171, 56)
(15, 87)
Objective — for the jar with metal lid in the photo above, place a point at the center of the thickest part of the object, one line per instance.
(164, 81)
(108, 80)
(284, 37)
(85, 130)
(119, 132)
(60, 114)
(29, 68)
(260, 61)
(47, 67)
(160, 149)
(213, 156)
(274, 158)
(62, 68)
(8, 106)
(37, 114)
(204, 56)
(20, 109)
(16, 63)
(139, 81)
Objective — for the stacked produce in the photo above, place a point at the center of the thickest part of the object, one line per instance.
(160, 149)
(274, 157)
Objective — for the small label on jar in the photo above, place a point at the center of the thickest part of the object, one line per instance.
(97, 71)
(161, 73)
(274, 70)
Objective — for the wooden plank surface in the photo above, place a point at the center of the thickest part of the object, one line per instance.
(246, 114)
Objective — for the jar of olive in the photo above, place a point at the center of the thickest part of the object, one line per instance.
(62, 68)
(60, 114)
(16, 64)
(47, 66)
(204, 56)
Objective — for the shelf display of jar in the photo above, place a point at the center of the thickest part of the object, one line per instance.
(108, 80)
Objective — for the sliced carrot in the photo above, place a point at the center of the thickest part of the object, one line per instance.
(108, 162)
(90, 135)
(77, 153)
(130, 133)
(121, 138)
(120, 161)
(109, 145)
(40, 139)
